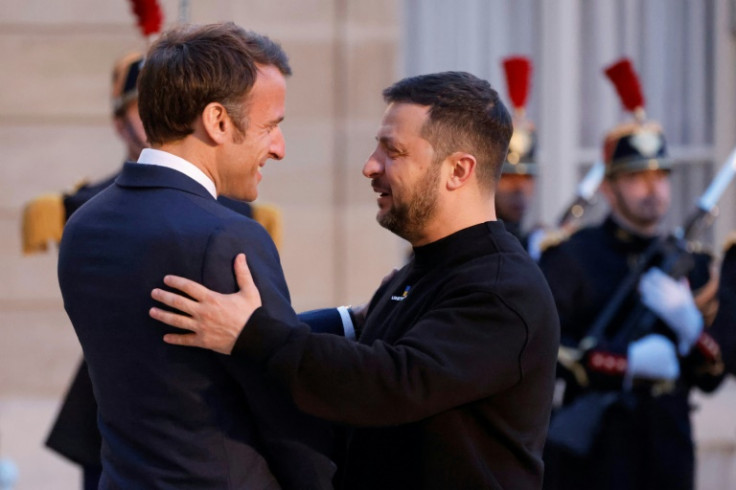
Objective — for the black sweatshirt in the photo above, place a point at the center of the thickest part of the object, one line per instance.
(450, 383)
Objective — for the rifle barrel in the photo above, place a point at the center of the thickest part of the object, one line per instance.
(710, 197)
(584, 193)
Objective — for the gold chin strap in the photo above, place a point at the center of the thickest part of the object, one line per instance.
(42, 223)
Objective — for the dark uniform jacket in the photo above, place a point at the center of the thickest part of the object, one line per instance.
(172, 417)
(724, 326)
(643, 441)
(450, 383)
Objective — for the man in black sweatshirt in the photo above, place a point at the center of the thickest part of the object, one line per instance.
(449, 381)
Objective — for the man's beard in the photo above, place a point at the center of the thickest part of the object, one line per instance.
(408, 219)
(648, 212)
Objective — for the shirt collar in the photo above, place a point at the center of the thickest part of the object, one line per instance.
(149, 156)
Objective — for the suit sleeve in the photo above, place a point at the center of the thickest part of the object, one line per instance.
(434, 366)
(298, 447)
(326, 320)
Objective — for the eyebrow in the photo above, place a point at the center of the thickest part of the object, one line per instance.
(276, 122)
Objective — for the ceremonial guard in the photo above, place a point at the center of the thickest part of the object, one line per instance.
(633, 344)
(516, 187)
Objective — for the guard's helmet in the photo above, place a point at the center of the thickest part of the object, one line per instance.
(635, 145)
(124, 81)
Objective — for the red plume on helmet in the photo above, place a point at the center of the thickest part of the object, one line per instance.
(520, 158)
(518, 74)
(624, 78)
(150, 17)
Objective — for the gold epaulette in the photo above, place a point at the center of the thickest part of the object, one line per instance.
(43, 222)
(730, 241)
(269, 216)
(553, 238)
(82, 183)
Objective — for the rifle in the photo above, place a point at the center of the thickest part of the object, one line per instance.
(674, 259)
(574, 427)
(584, 194)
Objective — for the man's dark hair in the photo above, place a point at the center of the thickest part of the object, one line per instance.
(465, 114)
(191, 66)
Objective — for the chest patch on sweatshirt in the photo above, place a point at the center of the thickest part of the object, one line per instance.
(403, 295)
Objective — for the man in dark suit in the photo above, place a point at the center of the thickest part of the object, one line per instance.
(211, 99)
(74, 433)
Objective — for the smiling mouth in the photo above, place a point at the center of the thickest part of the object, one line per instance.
(381, 194)
(381, 191)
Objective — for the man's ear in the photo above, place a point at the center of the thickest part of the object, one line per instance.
(462, 167)
(216, 122)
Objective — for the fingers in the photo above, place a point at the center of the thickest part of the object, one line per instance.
(656, 283)
(196, 340)
(646, 283)
(360, 311)
(174, 300)
(245, 280)
(173, 319)
(188, 340)
(191, 288)
(242, 273)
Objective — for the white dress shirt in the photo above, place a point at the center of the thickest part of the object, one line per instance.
(149, 156)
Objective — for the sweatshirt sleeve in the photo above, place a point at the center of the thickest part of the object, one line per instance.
(468, 346)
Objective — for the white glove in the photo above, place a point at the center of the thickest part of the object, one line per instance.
(672, 301)
(653, 357)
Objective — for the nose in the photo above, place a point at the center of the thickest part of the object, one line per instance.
(278, 144)
(373, 166)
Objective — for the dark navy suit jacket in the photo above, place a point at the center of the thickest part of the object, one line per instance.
(174, 417)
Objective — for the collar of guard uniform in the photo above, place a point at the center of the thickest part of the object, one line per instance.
(625, 237)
